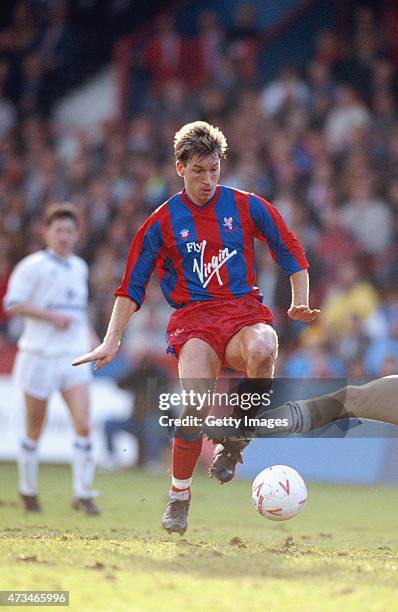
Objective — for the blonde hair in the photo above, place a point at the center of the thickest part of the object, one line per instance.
(199, 139)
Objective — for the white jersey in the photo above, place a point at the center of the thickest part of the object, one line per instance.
(48, 282)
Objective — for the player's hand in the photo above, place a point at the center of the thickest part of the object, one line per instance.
(103, 354)
(303, 313)
(61, 321)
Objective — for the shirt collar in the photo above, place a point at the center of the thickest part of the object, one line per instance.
(198, 207)
(64, 262)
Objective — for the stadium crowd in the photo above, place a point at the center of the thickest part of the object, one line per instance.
(321, 144)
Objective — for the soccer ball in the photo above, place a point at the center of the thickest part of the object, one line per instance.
(279, 493)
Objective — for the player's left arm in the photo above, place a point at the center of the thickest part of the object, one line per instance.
(299, 309)
(269, 226)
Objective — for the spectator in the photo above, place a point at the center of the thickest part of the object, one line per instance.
(378, 324)
(15, 42)
(59, 51)
(348, 115)
(367, 218)
(322, 89)
(334, 245)
(31, 95)
(353, 343)
(381, 351)
(349, 295)
(315, 359)
(207, 48)
(328, 48)
(356, 68)
(285, 91)
(242, 43)
(165, 52)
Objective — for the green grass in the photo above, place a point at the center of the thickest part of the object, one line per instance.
(340, 554)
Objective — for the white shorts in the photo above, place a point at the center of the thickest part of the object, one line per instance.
(40, 376)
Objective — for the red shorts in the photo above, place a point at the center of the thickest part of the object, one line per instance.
(214, 321)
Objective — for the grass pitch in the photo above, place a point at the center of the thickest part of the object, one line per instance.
(340, 554)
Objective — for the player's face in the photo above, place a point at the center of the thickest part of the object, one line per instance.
(61, 236)
(201, 176)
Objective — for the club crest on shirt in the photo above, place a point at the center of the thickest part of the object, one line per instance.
(184, 233)
(70, 293)
(228, 221)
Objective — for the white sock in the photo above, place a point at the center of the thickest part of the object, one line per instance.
(28, 461)
(181, 484)
(83, 467)
(180, 489)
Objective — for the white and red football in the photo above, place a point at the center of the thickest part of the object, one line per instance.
(279, 493)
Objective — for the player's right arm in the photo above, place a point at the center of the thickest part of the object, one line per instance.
(141, 260)
(105, 352)
(18, 299)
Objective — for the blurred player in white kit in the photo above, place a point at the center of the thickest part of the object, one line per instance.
(49, 290)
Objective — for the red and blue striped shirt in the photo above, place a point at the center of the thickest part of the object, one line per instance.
(206, 252)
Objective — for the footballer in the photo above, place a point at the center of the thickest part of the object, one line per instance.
(48, 289)
(202, 242)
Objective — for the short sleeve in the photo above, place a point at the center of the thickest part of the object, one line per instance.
(141, 261)
(21, 283)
